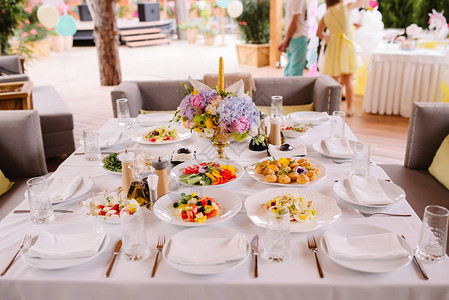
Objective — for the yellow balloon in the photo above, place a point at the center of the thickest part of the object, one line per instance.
(48, 15)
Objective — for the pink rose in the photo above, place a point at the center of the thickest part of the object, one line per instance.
(242, 125)
(197, 100)
(25, 34)
(20, 25)
(48, 28)
(27, 22)
(28, 9)
(33, 31)
(39, 25)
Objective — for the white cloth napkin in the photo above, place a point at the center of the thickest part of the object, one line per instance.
(62, 187)
(367, 190)
(338, 147)
(154, 118)
(377, 246)
(205, 251)
(54, 246)
(108, 139)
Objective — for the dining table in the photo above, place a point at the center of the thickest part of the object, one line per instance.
(294, 278)
(398, 77)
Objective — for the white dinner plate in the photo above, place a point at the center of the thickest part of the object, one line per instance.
(292, 133)
(139, 135)
(306, 117)
(321, 148)
(327, 208)
(61, 263)
(343, 189)
(100, 199)
(206, 233)
(83, 188)
(179, 169)
(261, 178)
(154, 119)
(230, 205)
(367, 265)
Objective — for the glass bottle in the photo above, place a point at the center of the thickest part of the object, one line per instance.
(138, 190)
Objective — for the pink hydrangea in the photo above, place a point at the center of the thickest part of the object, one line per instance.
(33, 31)
(25, 34)
(242, 125)
(197, 100)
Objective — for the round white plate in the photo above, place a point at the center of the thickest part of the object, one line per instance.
(53, 264)
(179, 170)
(207, 233)
(139, 135)
(230, 205)
(154, 119)
(261, 178)
(321, 148)
(368, 266)
(292, 133)
(99, 197)
(343, 189)
(327, 208)
(103, 165)
(306, 117)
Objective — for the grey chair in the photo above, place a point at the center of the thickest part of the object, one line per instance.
(429, 125)
(11, 69)
(21, 153)
(323, 91)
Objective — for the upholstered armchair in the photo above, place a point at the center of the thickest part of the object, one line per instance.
(11, 69)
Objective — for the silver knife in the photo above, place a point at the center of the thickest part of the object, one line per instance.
(418, 264)
(255, 251)
(117, 248)
(22, 211)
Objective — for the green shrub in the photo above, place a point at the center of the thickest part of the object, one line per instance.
(254, 22)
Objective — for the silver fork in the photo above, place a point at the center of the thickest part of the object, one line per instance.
(311, 243)
(25, 240)
(159, 246)
(365, 214)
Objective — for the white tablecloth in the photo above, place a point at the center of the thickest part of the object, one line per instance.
(297, 278)
(397, 78)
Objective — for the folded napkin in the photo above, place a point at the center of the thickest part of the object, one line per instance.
(205, 251)
(55, 246)
(377, 246)
(108, 139)
(154, 118)
(338, 147)
(367, 190)
(62, 187)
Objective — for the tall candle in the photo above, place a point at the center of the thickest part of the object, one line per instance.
(220, 84)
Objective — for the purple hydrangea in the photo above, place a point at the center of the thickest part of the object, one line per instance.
(231, 110)
(185, 108)
(203, 98)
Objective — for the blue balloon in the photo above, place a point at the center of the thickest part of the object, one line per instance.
(66, 26)
(223, 3)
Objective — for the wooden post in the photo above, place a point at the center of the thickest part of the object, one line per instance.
(275, 31)
(105, 33)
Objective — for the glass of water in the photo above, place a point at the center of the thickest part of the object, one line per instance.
(361, 160)
(91, 144)
(276, 106)
(432, 241)
(41, 209)
(123, 115)
(135, 245)
(338, 124)
(277, 236)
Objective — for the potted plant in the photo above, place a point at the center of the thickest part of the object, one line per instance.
(209, 30)
(254, 29)
(191, 28)
(11, 11)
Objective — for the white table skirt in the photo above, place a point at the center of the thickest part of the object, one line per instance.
(297, 278)
(397, 78)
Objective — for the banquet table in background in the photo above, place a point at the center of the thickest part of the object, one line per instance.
(397, 78)
(296, 278)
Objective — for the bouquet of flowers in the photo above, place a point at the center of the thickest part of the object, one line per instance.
(218, 114)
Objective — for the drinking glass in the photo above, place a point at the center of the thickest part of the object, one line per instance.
(277, 236)
(432, 241)
(276, 106)
(135, 245)
(123, 116)
(361, 160)
(41, 209)
(91, 144)
(338, 124)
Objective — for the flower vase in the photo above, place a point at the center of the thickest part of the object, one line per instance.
(220, 144)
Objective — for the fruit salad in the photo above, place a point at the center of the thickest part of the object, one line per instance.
(160, 134)
(207, 173)
(194, 208)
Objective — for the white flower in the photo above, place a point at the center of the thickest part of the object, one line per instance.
(209, 132)
(212, 109)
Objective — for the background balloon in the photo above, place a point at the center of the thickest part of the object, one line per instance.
(66, 26)
(48, 15)
(223, 3)
(235, 9)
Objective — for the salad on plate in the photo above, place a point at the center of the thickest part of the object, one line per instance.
(208, 173)
(194, 208)
(300, 210)
(162, 133)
